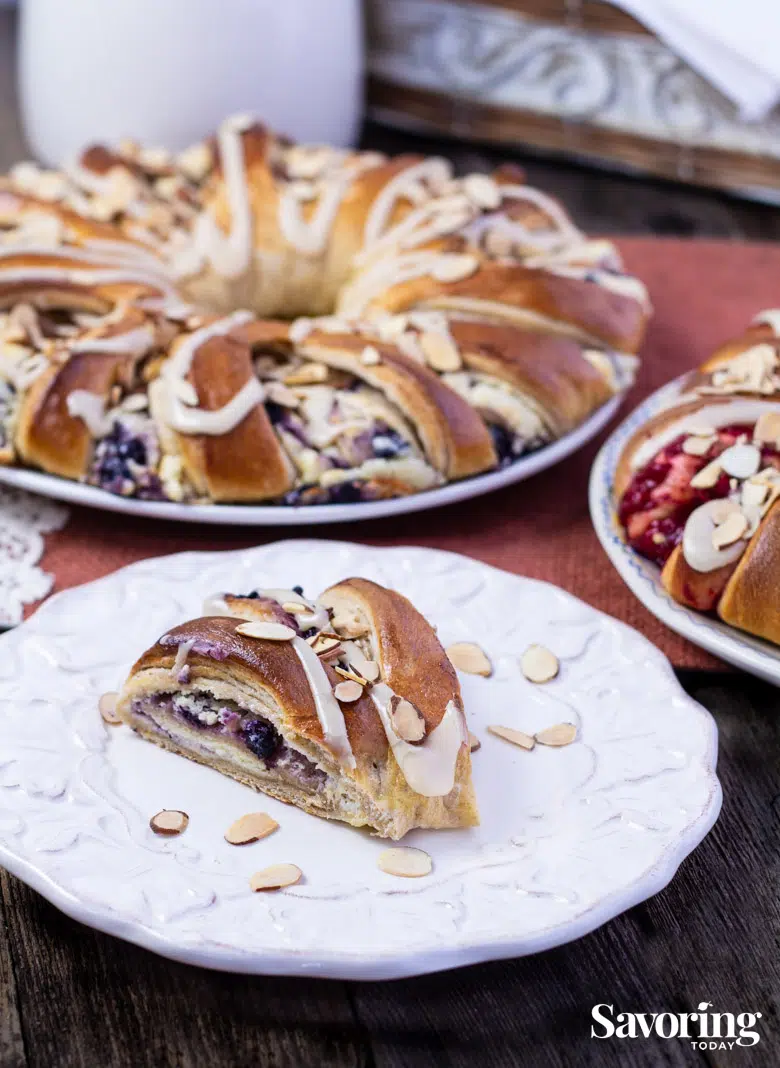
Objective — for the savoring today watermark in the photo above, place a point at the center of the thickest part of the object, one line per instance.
(704, 1030)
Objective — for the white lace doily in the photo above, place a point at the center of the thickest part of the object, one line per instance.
(24, 519)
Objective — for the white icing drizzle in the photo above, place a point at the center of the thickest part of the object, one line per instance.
(715, 415)
(334, 729)
(382, 275)
(623, 284)
(429, 768)
(563, 229)
(697, 546)
(135, 342)
(191, 420)
(215, 605)
(90, 408)
(316, 615)
(311, 236)
(229, 254)
(430, 170)
(771, 317)
(183, 650)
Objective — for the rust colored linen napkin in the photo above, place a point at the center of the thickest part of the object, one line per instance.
(703, 292)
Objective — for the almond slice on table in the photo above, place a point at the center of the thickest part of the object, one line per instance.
(470, 658)
(474, 743)
(509, 734)
(407, 720)
(406, 862)
(107, 708)
(348, 691)
(276, 877)
(250, 828)
(733, 527)
(560, 734)
(275, 632)
(538, 664)
(169, 821)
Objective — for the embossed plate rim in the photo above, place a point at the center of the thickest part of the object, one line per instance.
(265, 515)
(356, 964)
(759, 657)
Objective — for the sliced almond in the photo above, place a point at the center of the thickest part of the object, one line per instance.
(348, 691)
(708, 476)
(370, 356)
(560, 734)
(454, 268)
(698, 446)
(483, 191)
(468, 657)
(352, 674)
(250, 828)
(733, 527)
(441, 353)
(754, 494)
(767, 429)
(407, 720)
(107, 708)
(474, 743)
(277, 877)
(169, 821)
(509, 734)
(281, 394)
(308, 374)
(295, 608)
(701, 430)
(326, 647)
(274, 632)
(538, 664)
(740, 461)
(370, 669)
(406, 862)
(498, 243)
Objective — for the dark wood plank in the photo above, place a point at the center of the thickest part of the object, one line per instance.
(12, 1053)
(89, 1000)
(710, 936)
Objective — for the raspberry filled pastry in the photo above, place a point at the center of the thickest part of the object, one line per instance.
(697, 486)
(346, 707)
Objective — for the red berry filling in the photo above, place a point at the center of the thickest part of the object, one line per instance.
(659, 498)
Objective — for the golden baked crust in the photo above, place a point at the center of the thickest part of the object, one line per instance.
(750, 600)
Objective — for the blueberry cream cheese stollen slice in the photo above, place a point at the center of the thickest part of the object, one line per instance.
(345, 706)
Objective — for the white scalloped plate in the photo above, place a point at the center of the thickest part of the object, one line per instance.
(569, 837)
(643, 577)
(264, 515)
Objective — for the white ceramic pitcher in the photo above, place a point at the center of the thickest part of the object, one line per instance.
(167, 71)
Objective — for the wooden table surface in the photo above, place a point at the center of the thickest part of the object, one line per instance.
(71, 996)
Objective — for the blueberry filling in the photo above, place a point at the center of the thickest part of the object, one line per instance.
(387, 444)
(261, 737)
(121, 465)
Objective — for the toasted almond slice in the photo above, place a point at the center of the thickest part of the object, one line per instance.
(308, 374)
(169, 821)
(468, 657)
(441, 353)
(474, 743)
(698, 446)
(454, 268)
(276, 877)
(538, 664)
(740, 461)
(107, 708)
(483, 191)
(406, 862)
(348, 691)
(327, 646)
(352, 674)
(370, 356)
(295, 608)
(407, 720)
(754, 494)
(370, 669)
(274, 632)
(195, 161)
(250, 828)
(767, 428)
(733, 527)
(560, 734)
(701, 430)
(509, 734)
(708, 476)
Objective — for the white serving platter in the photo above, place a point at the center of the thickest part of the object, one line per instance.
(643, 577)
(305, 515)
(569, 837)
